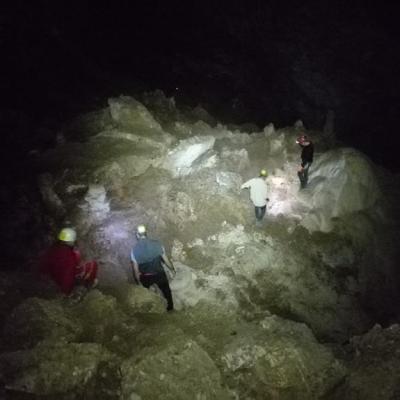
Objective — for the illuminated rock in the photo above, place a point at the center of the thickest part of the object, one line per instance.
(96, 202)
(130, 114)
(190, 155)
(342, 182)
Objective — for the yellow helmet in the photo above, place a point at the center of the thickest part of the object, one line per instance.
(67, 235)
(263, 172)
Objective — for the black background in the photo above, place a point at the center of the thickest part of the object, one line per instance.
(253, 61)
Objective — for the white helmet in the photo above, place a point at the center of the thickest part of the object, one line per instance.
(141, 231)
(67, 235)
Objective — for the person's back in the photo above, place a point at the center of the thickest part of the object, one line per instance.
(62, 263)
(148, 253)
(59, 263)
(258, 194)
(258, 191)
(147, 258)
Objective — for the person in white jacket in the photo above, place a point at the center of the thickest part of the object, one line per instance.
(258, 194)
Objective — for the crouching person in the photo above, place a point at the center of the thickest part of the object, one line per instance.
(62, 263)
(148, 257)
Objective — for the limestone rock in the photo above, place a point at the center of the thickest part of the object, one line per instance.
(282, 359)
(269, 129)
(96, 203)
(130, 114)
(234, 160)
(50, 198)
(374, 369)
(181, 371)
(342, 182)
(189, 154)
(137, 299)
(51, 369)
(37, 319)
(228, 180)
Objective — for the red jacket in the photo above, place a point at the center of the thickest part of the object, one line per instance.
(62, 263)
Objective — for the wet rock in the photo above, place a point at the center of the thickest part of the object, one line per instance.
(181, 371)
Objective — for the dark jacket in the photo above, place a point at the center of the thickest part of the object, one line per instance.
(307, 154)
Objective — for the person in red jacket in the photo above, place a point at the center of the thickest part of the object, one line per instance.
(62, 263)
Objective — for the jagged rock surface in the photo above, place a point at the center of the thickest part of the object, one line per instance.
(251, 301)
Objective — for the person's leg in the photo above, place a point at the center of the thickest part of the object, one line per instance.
(163, 284)
(306, 168)
(146, 280)
(300, 174)
(260, 212)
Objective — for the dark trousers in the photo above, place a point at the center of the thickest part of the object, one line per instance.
(303, 176)
(260, 212)
(160, 279)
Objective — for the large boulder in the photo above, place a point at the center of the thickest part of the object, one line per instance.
(38, 319)
(128, 113)
(54, 368)
(137, 299)
(280, 359)
(342, 181)
(374, 371)
(180, 371)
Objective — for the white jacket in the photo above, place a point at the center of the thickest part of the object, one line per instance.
(258, 191)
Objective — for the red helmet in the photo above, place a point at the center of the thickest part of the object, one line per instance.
(302, 139)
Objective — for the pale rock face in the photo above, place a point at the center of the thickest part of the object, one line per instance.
(235, 159)
(228, 180)
(96, 202)
(269, 130)
(188, 155)
(342, 182)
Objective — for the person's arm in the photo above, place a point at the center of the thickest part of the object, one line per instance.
(135, 272)
(168, 262)
(246, 185)
(135, 269)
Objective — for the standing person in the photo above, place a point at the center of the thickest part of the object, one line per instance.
(258, 194)
(307, 155)
(147, 258)
(62, 263)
